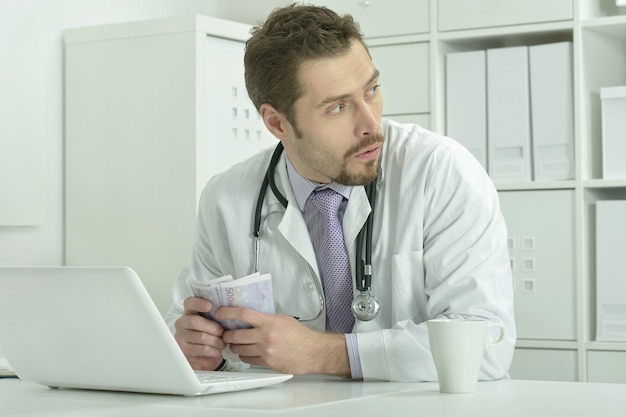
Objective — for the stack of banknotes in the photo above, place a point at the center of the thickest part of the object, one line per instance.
(253, 291)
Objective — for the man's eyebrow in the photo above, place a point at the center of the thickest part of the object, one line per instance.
(373, 78)
(332, 99)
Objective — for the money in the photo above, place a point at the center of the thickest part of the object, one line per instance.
(253, 291)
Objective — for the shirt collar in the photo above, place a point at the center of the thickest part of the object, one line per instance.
(302, 187)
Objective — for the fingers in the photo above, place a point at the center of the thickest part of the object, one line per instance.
(198, 323)
(207, 332)
(252, 317)
(196, 344)
(204, 364)
(195, 305)
(265, 338)
(277, 342)
(191, 319)
(246, 342)
(199, 338)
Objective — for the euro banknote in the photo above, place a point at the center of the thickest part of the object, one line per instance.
(253, 291)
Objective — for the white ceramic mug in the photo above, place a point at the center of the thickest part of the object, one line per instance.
(458, 347)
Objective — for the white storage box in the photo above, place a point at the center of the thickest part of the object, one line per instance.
(613, 132)
(610, 270)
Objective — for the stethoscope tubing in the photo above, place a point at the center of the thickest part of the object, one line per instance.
(364, 268)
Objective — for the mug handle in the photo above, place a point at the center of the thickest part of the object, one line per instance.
(500, 338)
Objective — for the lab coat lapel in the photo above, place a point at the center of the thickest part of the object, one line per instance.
(356, 213)
(295, 232)
(292, 226)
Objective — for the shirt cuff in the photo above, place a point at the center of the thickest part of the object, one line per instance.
(354, 357)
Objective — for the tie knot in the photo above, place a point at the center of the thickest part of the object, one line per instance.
(327, 201)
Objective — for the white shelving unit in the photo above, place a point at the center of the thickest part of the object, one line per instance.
(409, 40)
(556, 322)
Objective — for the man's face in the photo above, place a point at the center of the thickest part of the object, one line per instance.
(338, 134)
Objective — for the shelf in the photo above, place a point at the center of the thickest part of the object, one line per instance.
(538, 185)
(614, 26)
(546, 344)
(397, 40)
(528, 34)
(607, 346)
(612, 31)
(606, 184)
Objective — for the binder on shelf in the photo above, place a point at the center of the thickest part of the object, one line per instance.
(613, 132)
(466, 101)
(611, 271)
(552, 111)
(508, 115)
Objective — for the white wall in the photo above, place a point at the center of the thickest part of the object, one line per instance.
(43, 244)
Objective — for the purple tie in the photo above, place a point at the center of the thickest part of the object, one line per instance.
(334, 262)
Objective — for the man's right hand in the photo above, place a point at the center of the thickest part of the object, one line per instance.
(199, 338)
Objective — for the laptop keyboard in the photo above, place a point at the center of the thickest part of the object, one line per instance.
(215, 377)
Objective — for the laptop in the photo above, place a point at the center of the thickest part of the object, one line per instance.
(97, 328)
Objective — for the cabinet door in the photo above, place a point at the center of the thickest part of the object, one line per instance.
(379, 18)
(544, 364)
(404, 77)
(606, 366)
(541, 246)
(471, 14)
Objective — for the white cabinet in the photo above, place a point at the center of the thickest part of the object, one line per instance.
(555, 302)
(153, 109)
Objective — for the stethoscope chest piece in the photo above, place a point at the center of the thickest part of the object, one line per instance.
(365, 306)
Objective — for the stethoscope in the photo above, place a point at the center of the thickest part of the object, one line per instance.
(364, 306)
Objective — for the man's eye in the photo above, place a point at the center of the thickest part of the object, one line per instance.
(373, 91)
(337, 109)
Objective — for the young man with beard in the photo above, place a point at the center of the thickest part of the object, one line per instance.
(438, 238)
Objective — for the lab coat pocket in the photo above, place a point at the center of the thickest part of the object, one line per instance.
(408, 298)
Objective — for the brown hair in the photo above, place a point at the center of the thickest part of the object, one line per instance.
(290, 36)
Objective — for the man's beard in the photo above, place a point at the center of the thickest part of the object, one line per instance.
(373, 167)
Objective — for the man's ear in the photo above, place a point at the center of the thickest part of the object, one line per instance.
(275, 121)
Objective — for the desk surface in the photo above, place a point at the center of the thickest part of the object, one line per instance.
(315, 395)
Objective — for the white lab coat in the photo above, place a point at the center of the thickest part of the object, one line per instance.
(439, 248)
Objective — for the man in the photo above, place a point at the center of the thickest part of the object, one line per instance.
(439, 239)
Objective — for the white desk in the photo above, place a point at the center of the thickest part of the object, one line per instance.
(323, 397)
